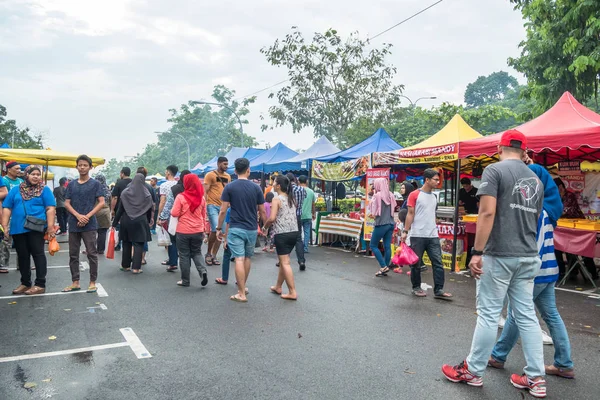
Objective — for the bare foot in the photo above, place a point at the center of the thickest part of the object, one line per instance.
(275, 290)
(289, 296)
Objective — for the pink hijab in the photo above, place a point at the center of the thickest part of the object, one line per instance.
(383, 193)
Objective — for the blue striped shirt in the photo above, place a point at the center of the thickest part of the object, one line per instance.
(545, 242)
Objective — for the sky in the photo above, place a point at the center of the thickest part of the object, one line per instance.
(99, 77)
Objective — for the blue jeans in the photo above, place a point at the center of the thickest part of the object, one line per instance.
(382, 232)
(225, 264)
(501, 276)
(172, 250)
(432, 246)
(545, 301)
(306, 228)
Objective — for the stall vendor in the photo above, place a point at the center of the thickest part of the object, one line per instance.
(467, 197)
(571, 210)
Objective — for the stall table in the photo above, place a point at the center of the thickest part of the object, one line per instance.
(339, 226)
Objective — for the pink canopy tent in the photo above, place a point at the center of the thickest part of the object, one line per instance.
(567, 131)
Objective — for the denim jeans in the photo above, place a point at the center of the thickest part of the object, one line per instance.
(434, 251)
(172, 251)
(306, 229)
(382, 232)
(545, 301)
(225, 263)
(300, 243)
(501, 276)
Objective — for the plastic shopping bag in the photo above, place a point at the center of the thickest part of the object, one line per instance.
(110, 249)
(162, 236)
(405, 255)
(53, 246)
(173, 221)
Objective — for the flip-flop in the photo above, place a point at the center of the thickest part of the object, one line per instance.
(3, 271)
(273, 290)
(236, 298)
(139, 271)
(208, 260)
(124, 269)
(92, 289)
(215, 261)
(288, 298)
(220, 281)
(443, 296)
(171, 269)
(70, 289)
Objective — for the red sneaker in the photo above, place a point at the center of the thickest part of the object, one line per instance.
(537, 387)
(460, 373)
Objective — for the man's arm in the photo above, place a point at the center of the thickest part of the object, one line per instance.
(113, 204)
(80, 218)
(222, 215)
(3, 193)
(485, 222)
(98, 207)
(263, 213)
(161, 205)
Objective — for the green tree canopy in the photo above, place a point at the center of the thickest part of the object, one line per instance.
(561, 51)
(490, 89)
(16, 137)
(332, 82)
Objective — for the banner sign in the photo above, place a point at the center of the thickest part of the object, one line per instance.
(343, 171)
(569, 166)
(574, 183)
(417, 156)
(446, 234)
(372, 174)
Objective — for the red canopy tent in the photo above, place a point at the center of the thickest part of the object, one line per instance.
(567, 131)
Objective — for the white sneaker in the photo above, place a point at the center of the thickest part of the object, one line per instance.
(547, 339)
(501, 322)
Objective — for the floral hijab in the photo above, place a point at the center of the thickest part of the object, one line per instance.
(29, 191)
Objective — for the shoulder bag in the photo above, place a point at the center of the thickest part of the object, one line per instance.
(33, 223)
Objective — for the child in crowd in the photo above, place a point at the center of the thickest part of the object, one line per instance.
(402, 219)
(268, 234)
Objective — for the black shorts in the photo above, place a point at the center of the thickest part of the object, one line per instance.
(285, 242)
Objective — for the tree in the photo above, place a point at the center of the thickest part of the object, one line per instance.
(15, 137)
(332, 83)
(561, 51)
(490, 89)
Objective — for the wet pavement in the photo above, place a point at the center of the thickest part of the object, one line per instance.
(349, 336)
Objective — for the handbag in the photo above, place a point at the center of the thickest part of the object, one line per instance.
(33, 223)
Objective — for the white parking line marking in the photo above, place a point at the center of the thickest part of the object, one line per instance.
(82, 266)
(138, 348)
(60, 251)
(586, 292)
(24, 296)
(100, 291)
(131, 341)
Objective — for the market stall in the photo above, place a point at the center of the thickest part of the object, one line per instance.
(340, 226)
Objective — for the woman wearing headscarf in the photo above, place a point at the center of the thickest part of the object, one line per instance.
(190, 208)
(406, 188)
(134, 215)
(178, 188)
(381, 207)
(34, 200)
(103, 216)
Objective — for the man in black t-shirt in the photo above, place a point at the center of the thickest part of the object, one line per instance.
(468, 196)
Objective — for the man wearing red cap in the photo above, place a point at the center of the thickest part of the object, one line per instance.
(505, 261)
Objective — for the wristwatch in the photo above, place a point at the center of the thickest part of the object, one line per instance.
(476, 252)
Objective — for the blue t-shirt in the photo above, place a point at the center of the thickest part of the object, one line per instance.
(244, 197)
(10, 183)
(36, 207)
(84, 197)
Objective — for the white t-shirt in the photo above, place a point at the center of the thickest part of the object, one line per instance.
(424, 224)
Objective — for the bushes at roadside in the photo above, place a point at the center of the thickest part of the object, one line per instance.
(345, 205)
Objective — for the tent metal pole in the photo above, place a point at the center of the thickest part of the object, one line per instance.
(455, 222)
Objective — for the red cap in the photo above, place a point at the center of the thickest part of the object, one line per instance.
(514, 138)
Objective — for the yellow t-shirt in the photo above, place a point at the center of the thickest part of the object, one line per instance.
(216, 182)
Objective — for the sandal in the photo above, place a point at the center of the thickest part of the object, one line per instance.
(166, 262)
(208, 259)
(382, 272)
(138, 271)
(180, 283)
(92, 289)
(236, 297)
(3, 271)
(419, 293)
(172, 269)
(443, 296)
(215, 261)
(144, 262)
(220, 281)
(71, 289)
(274, 290)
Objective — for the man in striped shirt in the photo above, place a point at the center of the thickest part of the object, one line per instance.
(543, 289)
(299, 196)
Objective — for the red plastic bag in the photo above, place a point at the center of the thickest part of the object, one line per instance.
(110, 251)
(405, 256)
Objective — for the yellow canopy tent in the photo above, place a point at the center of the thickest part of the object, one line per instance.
(44, 157)
(441, 147)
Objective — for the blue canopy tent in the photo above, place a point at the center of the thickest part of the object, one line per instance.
(231, 155)
(275, 154)
(199, 168)
(320, 148)
(376, 142)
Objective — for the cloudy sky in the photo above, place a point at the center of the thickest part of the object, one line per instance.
(98, 76)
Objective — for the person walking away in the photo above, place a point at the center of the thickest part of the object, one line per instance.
(285, 223)
(511, 199)
(382, 207)
(308, 211)
(227, 259)
(61, 211)
(156, 189)
(214, 183)
(572, 210)
(135, 217)
(244, 197)
(31, 199)
(164, 213)
(299, 196)
(467, 196)
(190, 208)
(144, 171)
(84, 197)
(543, 288)
(121, 185)
(422, 226)
(103, 216)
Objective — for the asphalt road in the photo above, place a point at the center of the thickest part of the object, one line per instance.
(349, 336)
